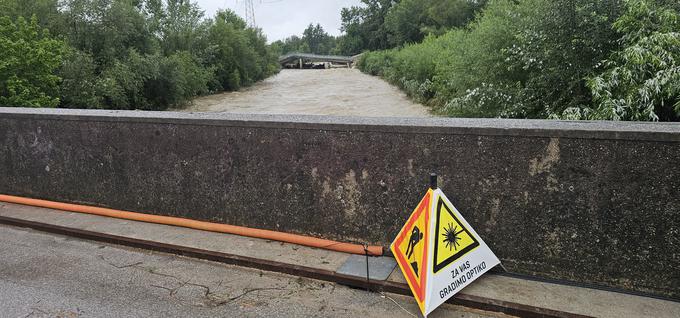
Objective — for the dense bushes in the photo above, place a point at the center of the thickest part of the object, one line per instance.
(547, 59)
(409, 21)
(641, 81)
(29, 59)
(125, 54)
(383, 24)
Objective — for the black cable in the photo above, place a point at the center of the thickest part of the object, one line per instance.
(368, 279)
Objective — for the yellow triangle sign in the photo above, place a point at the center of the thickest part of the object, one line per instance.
(411, 247)
(438, 251)
(452, 240)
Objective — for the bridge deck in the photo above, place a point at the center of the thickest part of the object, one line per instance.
(293, 57)
(102, 270)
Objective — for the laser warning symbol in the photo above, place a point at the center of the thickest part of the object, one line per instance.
(452, 240)
(439, 252)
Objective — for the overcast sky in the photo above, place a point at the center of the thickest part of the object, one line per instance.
(280, 19)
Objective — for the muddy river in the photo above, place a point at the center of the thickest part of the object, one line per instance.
(344, 92)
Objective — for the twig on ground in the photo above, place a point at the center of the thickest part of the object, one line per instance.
(163, 287)
(248, 291)
(173, 291)
(33, 310)
(207, 289)
(396, 303)
(120, 266)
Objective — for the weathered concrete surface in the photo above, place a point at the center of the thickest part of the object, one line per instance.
(587, 202)
(500, 288)
(43, 275)
(219, 242)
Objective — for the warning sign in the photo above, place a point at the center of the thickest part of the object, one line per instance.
(452, 238)
(411, 249)
(438, 252)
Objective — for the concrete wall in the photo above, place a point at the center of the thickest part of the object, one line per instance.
(588, 202)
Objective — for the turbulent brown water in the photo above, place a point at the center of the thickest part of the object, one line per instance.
(343, 92)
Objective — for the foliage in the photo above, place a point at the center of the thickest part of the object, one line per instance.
(107, 29)
(235, 53)
(406, 22)
(318, 40)
(384, 24)
(642, 80)
(364, 27)
(180, 25)
(543, 59)
(558, 46)
(30, 58)
(80, 85)
(314, 40)
(291, 44)
(46, 11)
(129, 54)
(460, 72)
(409, 21)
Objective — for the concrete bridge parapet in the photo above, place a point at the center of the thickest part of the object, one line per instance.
(587, 202)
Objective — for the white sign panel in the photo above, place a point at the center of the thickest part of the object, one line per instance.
(438, 252)
(459, 255)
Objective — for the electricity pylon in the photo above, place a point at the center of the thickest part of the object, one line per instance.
(250, 14)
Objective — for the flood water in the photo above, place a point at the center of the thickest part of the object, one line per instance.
(343, 92)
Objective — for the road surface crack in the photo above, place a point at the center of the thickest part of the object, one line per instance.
(120, 266)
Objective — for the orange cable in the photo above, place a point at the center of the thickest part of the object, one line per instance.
(201, 225)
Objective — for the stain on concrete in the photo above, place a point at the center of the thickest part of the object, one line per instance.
(326, 187)
(349, 194)
(410, 168)
(546, 162)
(544, 165)
(494, 213)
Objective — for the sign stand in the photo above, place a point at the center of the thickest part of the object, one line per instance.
(438, 251)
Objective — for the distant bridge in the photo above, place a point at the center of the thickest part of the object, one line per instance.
(299, 59)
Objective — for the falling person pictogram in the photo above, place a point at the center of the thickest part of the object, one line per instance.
(416, 237)
(438, 252)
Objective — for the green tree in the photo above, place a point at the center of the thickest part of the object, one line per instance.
(520, 59)
(405, 22)
(318, 41)
(80, 84)
(289, 45)
(107, 29)
(46, 11)
(314, 40)
(642, 79)
(181, 27)
(409, 21)
(555, 48)
(234, 51)
(124, 54)
(364, 26)
(446, 14)
(30, 59)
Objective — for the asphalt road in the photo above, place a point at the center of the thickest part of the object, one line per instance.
(45, 275)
